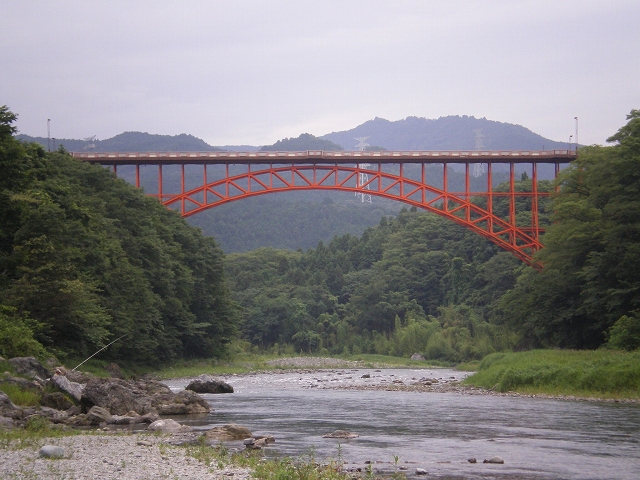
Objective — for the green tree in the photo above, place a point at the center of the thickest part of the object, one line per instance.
(591, 259)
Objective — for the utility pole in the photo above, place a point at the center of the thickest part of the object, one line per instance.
(576, 119)
(49, 134)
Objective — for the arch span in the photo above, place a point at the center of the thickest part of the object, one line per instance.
(474, 210)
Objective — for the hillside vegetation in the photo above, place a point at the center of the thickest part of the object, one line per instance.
(86, 259)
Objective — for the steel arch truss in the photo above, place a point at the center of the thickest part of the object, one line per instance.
(474, 210)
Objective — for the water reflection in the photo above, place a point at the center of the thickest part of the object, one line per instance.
(436, 431)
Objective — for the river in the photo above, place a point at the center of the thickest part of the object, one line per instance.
(438, 432)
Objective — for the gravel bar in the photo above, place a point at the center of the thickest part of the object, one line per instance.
(111, 456)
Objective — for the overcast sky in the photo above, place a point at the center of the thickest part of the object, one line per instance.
(253, 72)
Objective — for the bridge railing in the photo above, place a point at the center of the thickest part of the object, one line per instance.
(430, 156)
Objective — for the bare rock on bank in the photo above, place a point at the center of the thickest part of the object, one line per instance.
(51, 451)
(67, 386)
(118, 396)
(209, 384)
(142, 397)
(29, 367)
(499, 460)
(8, 409)
(228, 433)
(341, 434)
(168, 426)
(417, 356)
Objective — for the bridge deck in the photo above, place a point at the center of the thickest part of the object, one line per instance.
(318, 156)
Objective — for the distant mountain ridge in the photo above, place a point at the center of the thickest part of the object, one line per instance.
(412, 133)
(130, 142)
(444, 133)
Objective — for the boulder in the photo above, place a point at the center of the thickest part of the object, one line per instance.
(6, 423)
(113, 369)
(168, 426)
(57, 400)
(62, 383)
(494, 460)
(51, 451)
(209, 384)
(182, 403)
(22, 383)
(264, 440)
(54, 415)
(341, 434)
(417, 356)
(118, 396)
(228, 433)
(97, 416)
(421, 471)
(29, 367)
(8, 409)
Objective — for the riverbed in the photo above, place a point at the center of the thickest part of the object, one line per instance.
(437, 431)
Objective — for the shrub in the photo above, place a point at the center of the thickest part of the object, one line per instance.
(17, 335)
(625, 333)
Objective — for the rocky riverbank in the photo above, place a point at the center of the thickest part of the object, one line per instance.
(112, 456)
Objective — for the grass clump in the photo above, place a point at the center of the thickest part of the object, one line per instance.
(599, 373)
(19, 395)
(381, 361)
(285, 468)
(36, 428)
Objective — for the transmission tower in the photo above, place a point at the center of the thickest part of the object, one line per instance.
(363, 178)
(478, 168)
(90, 143)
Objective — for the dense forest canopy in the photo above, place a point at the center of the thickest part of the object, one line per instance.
(85, 258)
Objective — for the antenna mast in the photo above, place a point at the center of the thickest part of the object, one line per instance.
(363, 178)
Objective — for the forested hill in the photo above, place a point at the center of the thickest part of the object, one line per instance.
(305, 141)
(444, 133)
(86, 259)
(128, 142)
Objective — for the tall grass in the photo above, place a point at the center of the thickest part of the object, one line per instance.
(599, 373)
(35, 430)
(20, 396)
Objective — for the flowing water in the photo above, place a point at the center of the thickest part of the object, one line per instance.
(437, 432)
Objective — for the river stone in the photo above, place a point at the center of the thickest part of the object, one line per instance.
(228, 433)
(30, 367)
(494, 460)
(471, 460)
(6, 423)
(262, 441)
(97, 415)
(113, 369)
(366, 375)
(341, 434)
(421, 471)
(51, 451)
(168, 426)
(54, 415)
(57, 400)
(209, 384)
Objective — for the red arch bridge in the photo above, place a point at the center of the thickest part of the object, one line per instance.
(459, 185)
